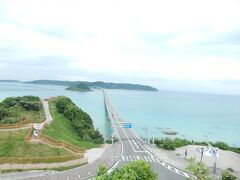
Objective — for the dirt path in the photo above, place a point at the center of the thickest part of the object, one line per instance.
(27, 126)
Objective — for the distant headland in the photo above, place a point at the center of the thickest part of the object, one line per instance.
(72, 85)
(96, 84)
(9, 80)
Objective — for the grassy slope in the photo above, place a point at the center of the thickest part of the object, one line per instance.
(12, 145)
(61, 129)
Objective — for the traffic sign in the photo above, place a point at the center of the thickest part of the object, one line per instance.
(127, 125)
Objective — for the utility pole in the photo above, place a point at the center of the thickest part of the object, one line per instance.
(201, 154)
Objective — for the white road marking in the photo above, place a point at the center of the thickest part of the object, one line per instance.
(126, 158)
(138, 157)
(158, 161)
(134, 142)
(130, 157)
(146, 159)
(186, 174)
(149, 159)
(123, 158)
(153, 159)
(110, 170)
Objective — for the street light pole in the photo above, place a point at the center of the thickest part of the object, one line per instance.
(201, 154)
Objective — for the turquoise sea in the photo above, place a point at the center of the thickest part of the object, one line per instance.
(202, 117)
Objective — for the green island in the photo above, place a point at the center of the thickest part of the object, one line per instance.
(71, 124)
(96, 84)
(82, 87)
(16, 109)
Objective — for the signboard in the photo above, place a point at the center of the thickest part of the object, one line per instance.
(127, 125)
(37, 126)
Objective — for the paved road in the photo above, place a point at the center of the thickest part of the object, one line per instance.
(79, 173)
(48, 115)
(133, 149)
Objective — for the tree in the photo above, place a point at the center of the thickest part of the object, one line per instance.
(3, 113)
(71, 112)
(139, 170)
(168, 144)
(181, 142)
(62, 103)
(227, 175)
(102, 173)
(198, 169)
(221, 145)
(9, 102)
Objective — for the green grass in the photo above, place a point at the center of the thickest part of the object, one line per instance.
(61, 129)
(12, 145)
(32, 116)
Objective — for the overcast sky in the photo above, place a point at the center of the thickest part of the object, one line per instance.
(179, 45)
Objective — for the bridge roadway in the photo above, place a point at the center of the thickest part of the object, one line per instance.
(133, 148)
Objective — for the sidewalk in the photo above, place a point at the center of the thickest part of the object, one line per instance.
(176, 158)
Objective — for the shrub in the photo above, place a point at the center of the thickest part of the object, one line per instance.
(30, 106)
(230, 169)
(9, 102)
(135, 170)
(31, 98)
(62, 103)
(168, 144)
(227, 175)
(71, 112)
(181, 142)
(221, 145)
(3, 113)
(198, 169)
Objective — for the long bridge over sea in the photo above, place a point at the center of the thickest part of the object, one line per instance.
(133, 147)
